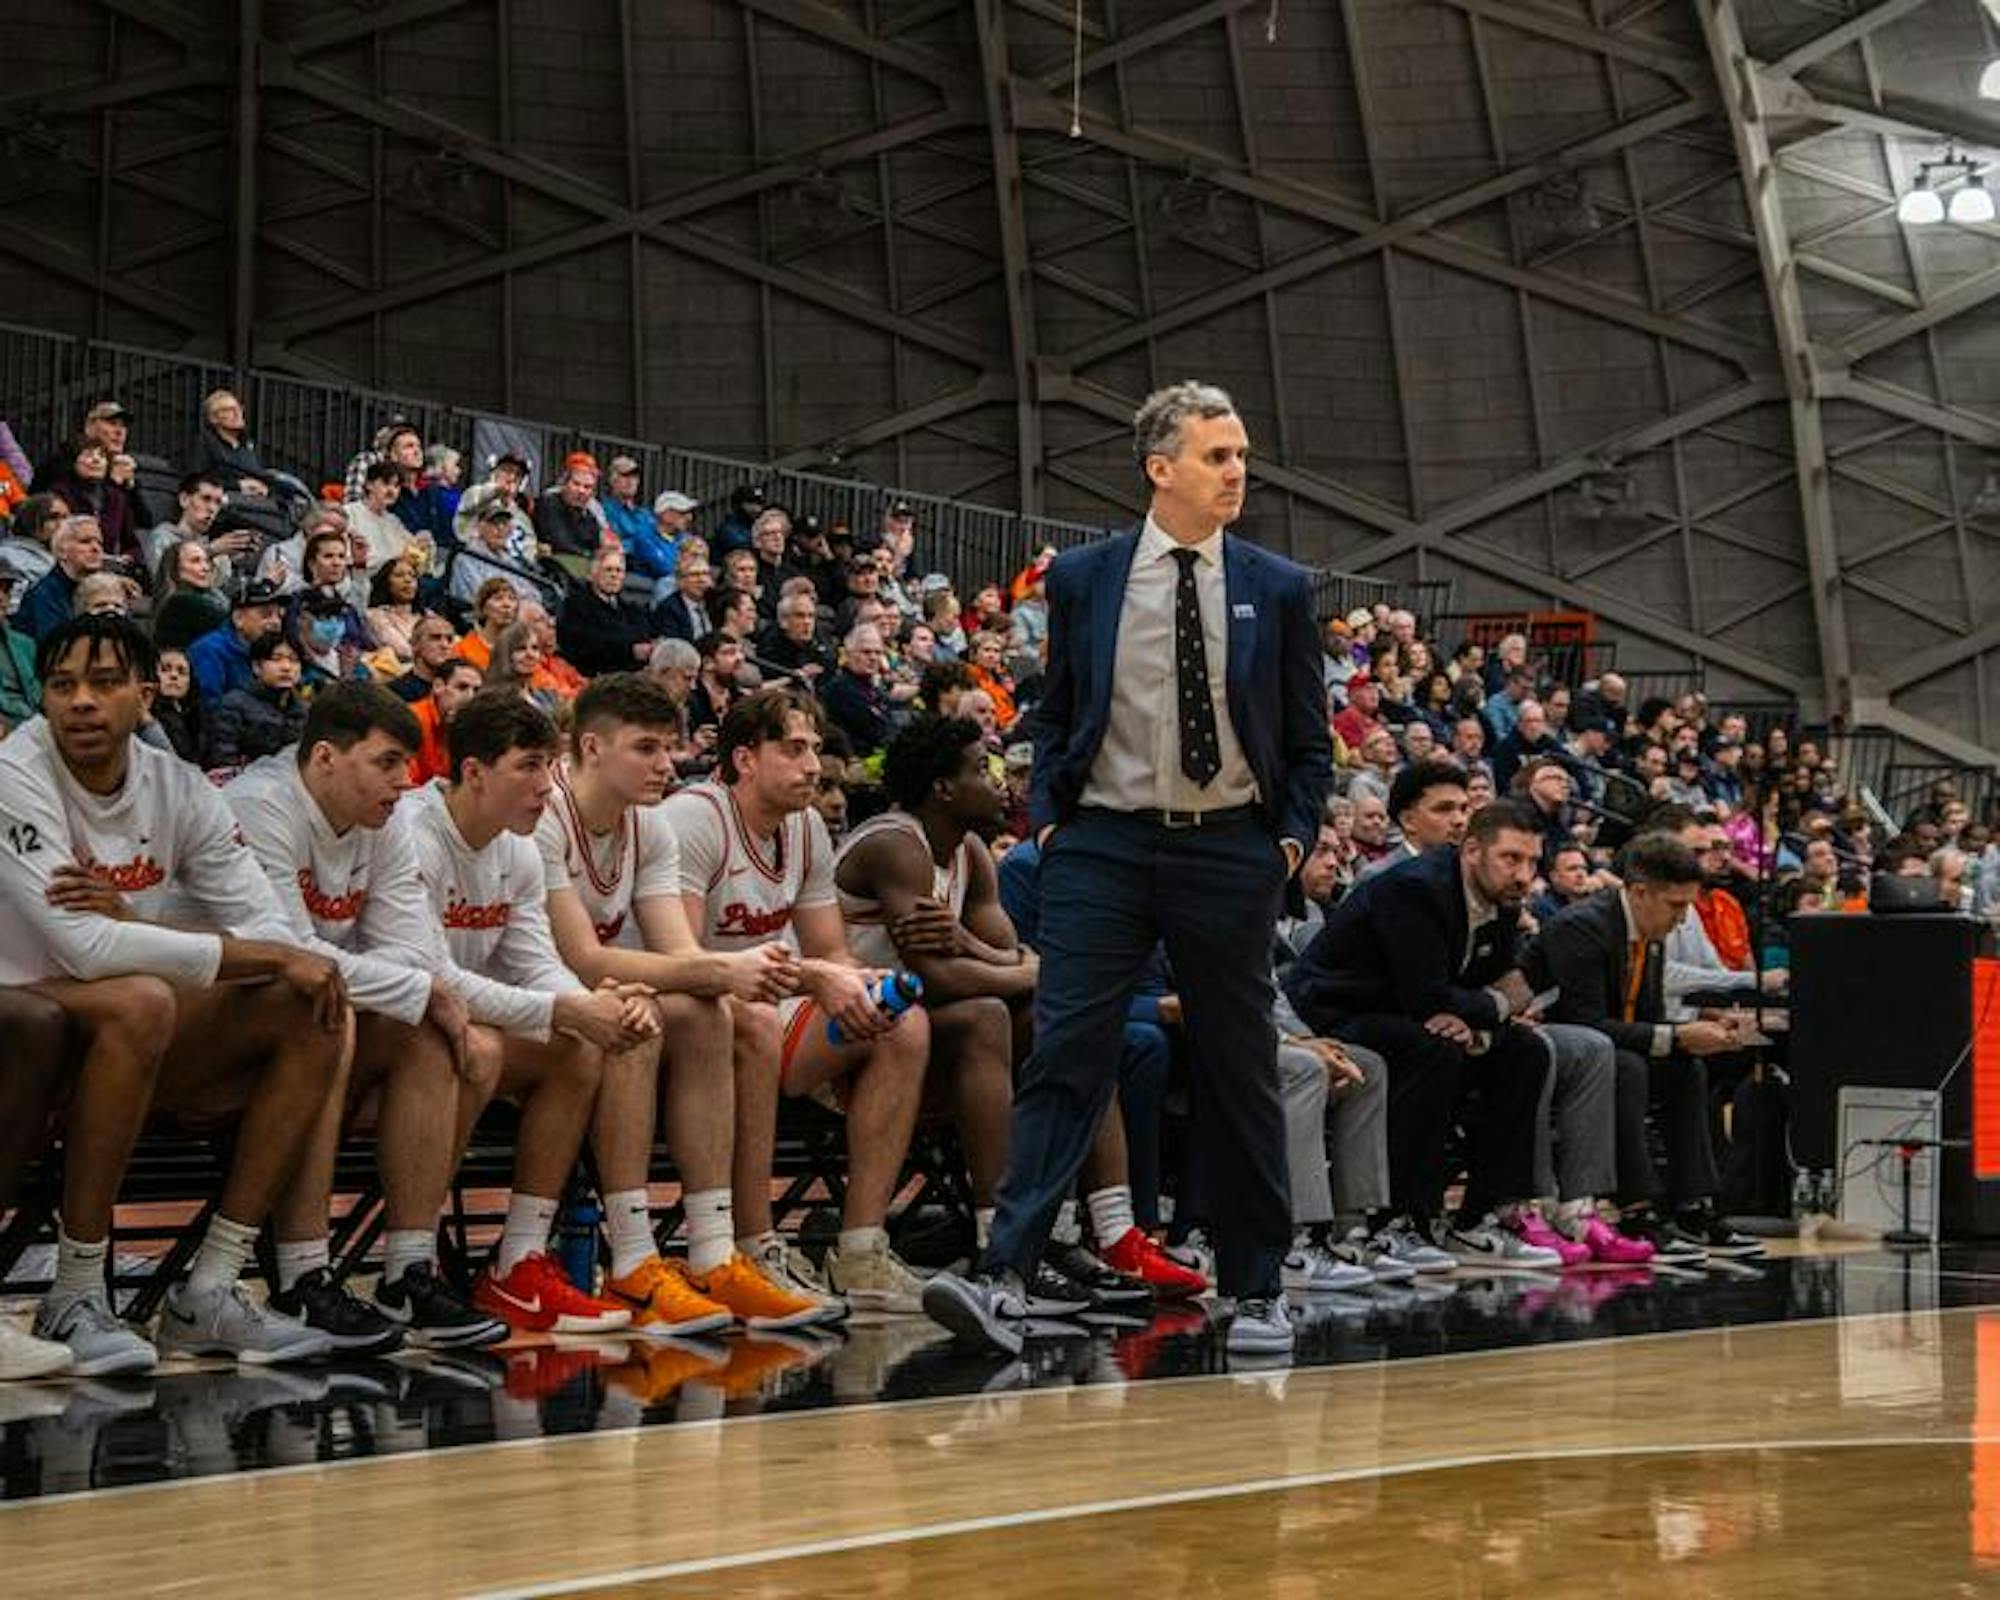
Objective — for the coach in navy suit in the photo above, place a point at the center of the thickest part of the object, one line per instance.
(1181, 762)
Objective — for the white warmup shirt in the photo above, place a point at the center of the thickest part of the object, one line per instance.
(611, 873)
(749, 887)
(165, 839)
(353, 897)
(495, 948)
(867, 934)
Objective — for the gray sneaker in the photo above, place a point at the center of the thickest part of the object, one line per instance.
(1262, 1326)
(102, 1344)
(227, 1322)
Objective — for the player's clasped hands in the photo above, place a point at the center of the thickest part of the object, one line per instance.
(767, 972)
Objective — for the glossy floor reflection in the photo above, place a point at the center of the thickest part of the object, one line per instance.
(64, 1438)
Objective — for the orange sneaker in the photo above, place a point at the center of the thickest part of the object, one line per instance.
(536, 1297)
(662, 1300)
(754, 1299)
(764, 1366)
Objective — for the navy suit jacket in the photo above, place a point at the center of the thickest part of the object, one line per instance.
(1277, 696)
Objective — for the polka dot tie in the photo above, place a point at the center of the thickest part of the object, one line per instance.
(1201, 749)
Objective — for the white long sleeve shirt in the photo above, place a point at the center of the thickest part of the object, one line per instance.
(489, 920)
(354, 897)
(165, 840)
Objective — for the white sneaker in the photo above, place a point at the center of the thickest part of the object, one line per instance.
(876, 1280)
(1311, 1268)
(1359, 1250)
(1193, 1252)
(103, 1345)
(1400, 1240)
(1261, 1327)
(227, 1322)
(790, 1271)
(1486, 1243)
(22, 1355)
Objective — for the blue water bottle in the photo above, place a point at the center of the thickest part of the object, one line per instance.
(578, 1241)
(895, 994)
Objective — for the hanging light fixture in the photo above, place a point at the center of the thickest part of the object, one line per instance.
(1922, 206)
(1989, 81)
(1973, 203)
(1970, 202)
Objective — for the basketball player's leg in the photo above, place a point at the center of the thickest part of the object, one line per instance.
(118, 1027)
(766, 1282)
(556, 1083)
(882, 1086)
(255, 1053)
(972, 1062)
(36, 1066)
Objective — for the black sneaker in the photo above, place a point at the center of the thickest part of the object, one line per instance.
(1050, 1294)
(1108, 1288)
(353, 1326)
(987, 1311)
(1706, 1226)
(1671, 1246)
(433, 1314)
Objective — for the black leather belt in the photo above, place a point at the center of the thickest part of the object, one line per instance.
(1167, 818)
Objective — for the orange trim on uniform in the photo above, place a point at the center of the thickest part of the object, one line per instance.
(795, 1036)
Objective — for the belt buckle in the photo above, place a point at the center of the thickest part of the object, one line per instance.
(1170, 818)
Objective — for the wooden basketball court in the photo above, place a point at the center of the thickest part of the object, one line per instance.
(1824, 1425)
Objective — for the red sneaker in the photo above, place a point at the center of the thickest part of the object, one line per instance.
(544, 1371)
(1137, 1256)
(536, 1297)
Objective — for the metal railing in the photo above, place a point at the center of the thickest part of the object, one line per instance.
(311, 429)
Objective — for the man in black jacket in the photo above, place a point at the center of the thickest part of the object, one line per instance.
(1605, 955)
(1420, 964)
(598, 631)
(684, 613)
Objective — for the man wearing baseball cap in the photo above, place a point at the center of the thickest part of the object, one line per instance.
(618, 498)
(220, 659)
(652, 551)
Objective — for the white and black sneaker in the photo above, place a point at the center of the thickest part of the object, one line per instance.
(433, 1315)
(1050, 1294)
(1310, 1267)
(1673, 1249)
(1108, 1288)
(352, 1326)
(1400, 1239)
(1706, 1227)
(1360, 1250)
(227, 1322)
(988, 1310)
(1486, 1244)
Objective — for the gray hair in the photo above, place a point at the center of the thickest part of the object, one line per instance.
(671, 653)
(1156, 426)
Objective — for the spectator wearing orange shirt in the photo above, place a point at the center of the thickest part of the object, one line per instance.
(987, 662)
(457, 683)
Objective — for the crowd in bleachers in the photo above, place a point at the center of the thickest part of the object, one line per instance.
(686, 778)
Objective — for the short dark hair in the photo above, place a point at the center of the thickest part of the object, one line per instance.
(194, 480)
(266, 645)
(493, 722)
(346, 711)
(939, 678)
(1570, 849)
(1660, 859)
(622, 698)
(385, 470)
(1513, 816)
(923, 755)
(315, 540)
(35, 513)
(760, 718)
(1670, 816)
(111, 631)
(1417, 779)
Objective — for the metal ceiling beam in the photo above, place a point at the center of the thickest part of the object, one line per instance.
(1850, 32)
(1963, 296)
(1737, 74)
(1016, 255)
(1973, 427)
(1687, 70)
(825, 22)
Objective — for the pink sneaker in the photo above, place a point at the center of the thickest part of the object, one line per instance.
(1606, 1243)
(1530, 1228)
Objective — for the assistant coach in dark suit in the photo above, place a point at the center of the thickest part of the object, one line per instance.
(1181, 762)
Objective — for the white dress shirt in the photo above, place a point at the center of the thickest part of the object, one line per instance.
(1138, 767)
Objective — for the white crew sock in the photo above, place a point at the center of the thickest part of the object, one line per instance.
(404, 1248)
(529, 1218)
(297, 1257)
(629, 1221)
(225, 1247)
(1065, 1230)
(982, 1225)
(1571, 1215)
(711, 1220)
(863, 1241)
(79, 1268)
(1110, 1214)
